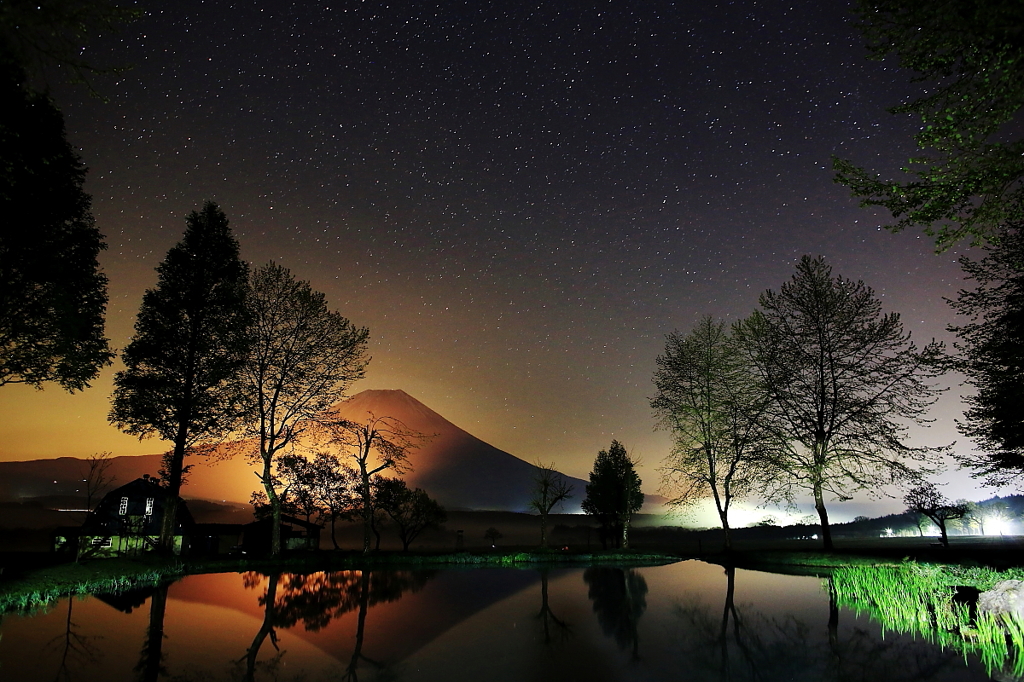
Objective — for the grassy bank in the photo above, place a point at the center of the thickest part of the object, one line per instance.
(35, 588)
(935, 602)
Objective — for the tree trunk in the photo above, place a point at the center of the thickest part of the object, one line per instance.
(275, 508)
(333, 538)
(266, 629)
(819, 505)
(942, 529)
(367, 513)
(833, 617)
(625, 533)
(169, 522)
(543, 530)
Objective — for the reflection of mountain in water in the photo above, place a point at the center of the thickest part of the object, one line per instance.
(407, 613)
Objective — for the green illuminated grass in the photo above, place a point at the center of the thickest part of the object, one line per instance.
(917, 599)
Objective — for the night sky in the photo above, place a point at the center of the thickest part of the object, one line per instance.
(518, 199)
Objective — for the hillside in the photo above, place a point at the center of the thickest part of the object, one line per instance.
(457, 468)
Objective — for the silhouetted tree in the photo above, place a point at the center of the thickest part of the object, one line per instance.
(550, 489)
(337, 489)
(493, 535)
(991, 354)
(966, 179)
(96, 479)
(298, 476)
(375, 445)
(412, 511)
(190, 344)
(35, 35)
(304, 357)
(716, 406)
(53, 295)
(925, 499)
(844, 382)
(613, 494)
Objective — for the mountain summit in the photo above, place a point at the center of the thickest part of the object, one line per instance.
(455, 467)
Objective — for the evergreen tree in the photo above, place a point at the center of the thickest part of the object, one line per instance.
(190, 343)
(992, 356)
(53, 296)
(613, 494)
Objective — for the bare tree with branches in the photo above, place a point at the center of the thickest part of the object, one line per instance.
(376, 444)
(844, 382)
(716, 406)
(304, 357)
(550, 488)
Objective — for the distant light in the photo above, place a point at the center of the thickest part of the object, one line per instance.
(997, 524)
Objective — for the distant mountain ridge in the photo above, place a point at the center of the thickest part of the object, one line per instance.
(458, 469)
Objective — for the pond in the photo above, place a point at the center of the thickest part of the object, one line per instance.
(685, 621)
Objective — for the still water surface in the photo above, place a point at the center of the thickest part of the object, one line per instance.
(686, 621)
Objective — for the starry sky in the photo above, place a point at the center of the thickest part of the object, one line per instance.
(519, 199)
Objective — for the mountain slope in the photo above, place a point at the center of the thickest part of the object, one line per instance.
(458, 469)
(455, 467)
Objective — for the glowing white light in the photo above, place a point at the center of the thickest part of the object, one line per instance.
(996, 524)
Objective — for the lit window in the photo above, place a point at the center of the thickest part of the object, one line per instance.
(123, 509)
(102, 542)
(149, 506)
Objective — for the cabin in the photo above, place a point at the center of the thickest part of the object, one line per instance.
(295, 534)
(127, 522)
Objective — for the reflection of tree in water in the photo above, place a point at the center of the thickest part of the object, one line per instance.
(315, 599)
(150, 665)
(74, 648)
(747, 645)
(547, 616)
(620, 598)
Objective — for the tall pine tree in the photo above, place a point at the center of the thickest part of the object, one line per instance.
(190, 344)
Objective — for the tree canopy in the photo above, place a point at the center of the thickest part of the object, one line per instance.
(53, 295)
(967, 181)
(412, 511)
(844, 382)
(991, 355)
